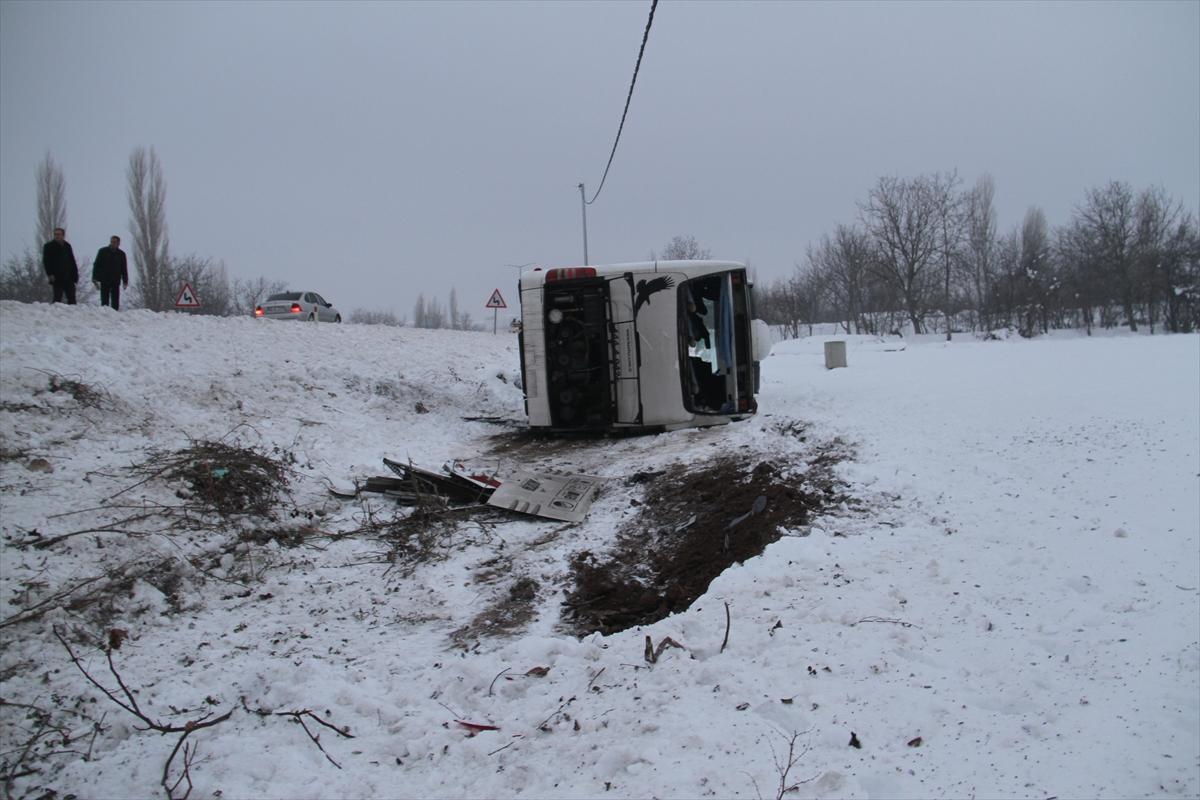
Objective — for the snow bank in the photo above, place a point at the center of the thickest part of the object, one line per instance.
(1014, 614)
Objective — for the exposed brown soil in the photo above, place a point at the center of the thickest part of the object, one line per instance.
(662, 564)
(509, 610)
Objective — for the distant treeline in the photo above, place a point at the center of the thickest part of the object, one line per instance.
(924, 256)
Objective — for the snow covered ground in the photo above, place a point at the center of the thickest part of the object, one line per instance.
(1010, 607)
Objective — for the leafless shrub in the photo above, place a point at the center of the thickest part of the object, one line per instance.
(221, 478)
(217, 482)
(85, 394)
(364, 316)
(23, 279)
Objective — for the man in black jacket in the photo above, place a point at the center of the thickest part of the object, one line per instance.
(109, 271)
(58, 259)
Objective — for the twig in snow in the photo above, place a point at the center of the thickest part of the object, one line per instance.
(498, 749)
(783, 767)
(448, 708)
(653, 654)
(887, 619)
(130, 704)
(298, 716)
(565, 703)
(506, 669)
(189, 754)
(726, 628)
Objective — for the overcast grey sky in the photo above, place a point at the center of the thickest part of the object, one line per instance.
(376, 151)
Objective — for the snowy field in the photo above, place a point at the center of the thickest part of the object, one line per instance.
(1009, 607)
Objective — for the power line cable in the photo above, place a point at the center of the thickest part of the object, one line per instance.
(636, 67)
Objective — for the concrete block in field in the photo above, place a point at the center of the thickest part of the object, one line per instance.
(835, 355)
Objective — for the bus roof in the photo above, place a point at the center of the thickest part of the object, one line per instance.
(693, 269)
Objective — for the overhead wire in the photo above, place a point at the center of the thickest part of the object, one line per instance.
(638, 66)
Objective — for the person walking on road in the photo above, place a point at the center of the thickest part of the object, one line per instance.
(58, 259)
(109, 271)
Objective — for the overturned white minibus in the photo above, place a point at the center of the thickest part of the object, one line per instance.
(640, 347)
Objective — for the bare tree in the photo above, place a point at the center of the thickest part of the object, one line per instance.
(435, 315)
(51, 198)
(454, 318)
(1178, 265)
(979, 254)
(146, 192)
(951, 232)
(842, 264)
(904, 217)
(685, 248)
(1106, 228)
(792, 304)
(779, 305)
(1006, 287)
(419, 312)
(1164, 229)
(1036, 271)
(22, 277)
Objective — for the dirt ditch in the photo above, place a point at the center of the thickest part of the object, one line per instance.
(693, 524)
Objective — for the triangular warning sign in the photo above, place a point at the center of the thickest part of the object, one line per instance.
(496, 300)
(187, 298)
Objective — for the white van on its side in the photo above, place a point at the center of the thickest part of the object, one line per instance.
(640, 347)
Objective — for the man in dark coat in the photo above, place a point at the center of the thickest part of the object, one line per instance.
(58, 259)
(109, 271)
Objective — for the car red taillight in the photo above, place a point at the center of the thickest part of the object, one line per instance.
(570, 274)
(296, 308)
(258, 312)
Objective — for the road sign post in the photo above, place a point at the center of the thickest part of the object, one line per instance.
(496, 302)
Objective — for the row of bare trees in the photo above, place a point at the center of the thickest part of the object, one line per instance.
(432, 314)
(925, 255)
(157, 274)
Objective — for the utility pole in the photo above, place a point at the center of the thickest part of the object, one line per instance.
(583, 200)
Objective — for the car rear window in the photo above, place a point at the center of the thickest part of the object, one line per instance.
(284, 296)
